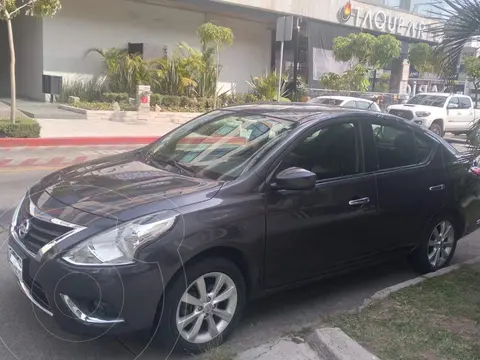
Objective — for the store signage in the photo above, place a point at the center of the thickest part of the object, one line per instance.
(384, 21)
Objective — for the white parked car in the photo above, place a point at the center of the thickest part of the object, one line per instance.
(439, 112)
(346, 101)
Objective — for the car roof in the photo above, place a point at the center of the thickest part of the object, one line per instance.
(290, 111)
(335, 97)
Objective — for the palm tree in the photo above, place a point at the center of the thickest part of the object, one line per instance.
(459, 23)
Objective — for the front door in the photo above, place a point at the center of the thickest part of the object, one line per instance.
(411, 180)
(314, 231)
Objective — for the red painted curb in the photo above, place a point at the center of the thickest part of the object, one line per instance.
(77, 141)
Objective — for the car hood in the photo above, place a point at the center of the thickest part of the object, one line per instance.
(414, 107)
(112, 186)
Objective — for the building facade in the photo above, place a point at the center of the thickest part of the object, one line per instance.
(58, 46)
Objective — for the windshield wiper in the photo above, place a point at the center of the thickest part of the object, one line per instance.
(181, 167)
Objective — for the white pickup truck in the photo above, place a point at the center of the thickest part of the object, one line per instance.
(439, 112)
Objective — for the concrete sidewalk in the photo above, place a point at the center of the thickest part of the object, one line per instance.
(5, 111)
(57, 128)
(78, 132)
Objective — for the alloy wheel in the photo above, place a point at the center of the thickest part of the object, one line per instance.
(440, 244)
(206, 308)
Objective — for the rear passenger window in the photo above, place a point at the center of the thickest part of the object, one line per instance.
(395, 147)
(425, 147)
(350, 104)
(364, 105)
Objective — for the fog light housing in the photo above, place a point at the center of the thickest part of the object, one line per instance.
(80, 314)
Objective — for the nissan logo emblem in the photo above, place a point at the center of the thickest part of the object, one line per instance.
(23, 229)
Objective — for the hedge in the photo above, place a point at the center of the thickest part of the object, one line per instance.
(23, 128)
(111, 97)
(178, 102)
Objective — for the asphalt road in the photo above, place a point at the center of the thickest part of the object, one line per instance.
(26, 334)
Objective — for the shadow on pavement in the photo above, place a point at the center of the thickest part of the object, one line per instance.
(291, 311)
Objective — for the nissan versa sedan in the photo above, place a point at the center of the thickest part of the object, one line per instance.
(238, 203)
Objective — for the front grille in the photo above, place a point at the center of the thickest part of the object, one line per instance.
(406, 114)
(39, 232)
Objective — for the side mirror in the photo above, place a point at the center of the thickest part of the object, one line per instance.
(296, 179)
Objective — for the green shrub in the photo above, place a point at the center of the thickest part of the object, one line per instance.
(185, 101)
(23, 128)
(90, 90)
(228, 99)
(156, 99)
(251, 98)
(170, 100)
(104, 106)
(266, 86)
(205, 103)
(96, 105)
(118, 97)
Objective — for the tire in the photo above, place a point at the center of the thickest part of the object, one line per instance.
(168, 330)
(437, 129)
(421, 258)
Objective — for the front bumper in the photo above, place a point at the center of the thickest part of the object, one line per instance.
(91, 300)
(420, 121)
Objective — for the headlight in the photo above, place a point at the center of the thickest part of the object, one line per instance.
(422, 113)
(118, 246)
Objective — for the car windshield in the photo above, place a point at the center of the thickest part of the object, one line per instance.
(219, 145)
(326, 101)
(429, 100)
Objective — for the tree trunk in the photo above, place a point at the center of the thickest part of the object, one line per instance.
(13, 87)
(475, 85)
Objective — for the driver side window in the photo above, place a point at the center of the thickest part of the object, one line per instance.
(330, 152)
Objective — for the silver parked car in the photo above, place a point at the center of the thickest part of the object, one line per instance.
(346, 101)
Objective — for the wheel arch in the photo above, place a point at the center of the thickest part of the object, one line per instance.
(439, 122)
(459, 221)
(233, 254)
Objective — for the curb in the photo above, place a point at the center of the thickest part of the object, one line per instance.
(77, 141)
(382, 294)
(334, 344)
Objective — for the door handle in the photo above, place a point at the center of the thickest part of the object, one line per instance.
(437, 188)
(359, 202)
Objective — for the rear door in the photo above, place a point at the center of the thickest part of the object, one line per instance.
(410, 176)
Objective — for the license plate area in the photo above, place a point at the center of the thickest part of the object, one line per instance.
(16, 263)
